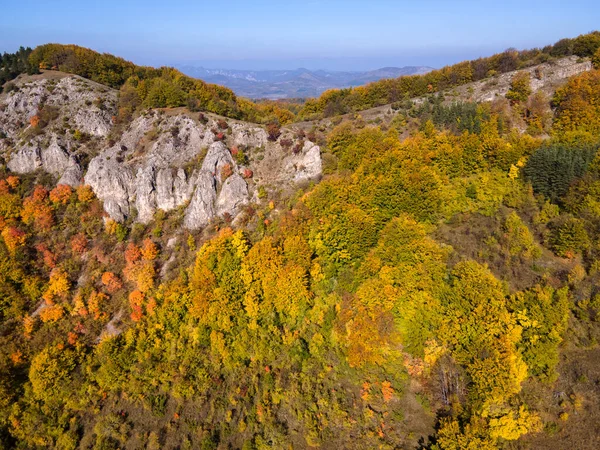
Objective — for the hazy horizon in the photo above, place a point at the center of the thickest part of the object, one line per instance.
(339, 35)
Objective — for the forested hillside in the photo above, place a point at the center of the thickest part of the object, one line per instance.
(438, 288)
(148, 87)
(342, 101)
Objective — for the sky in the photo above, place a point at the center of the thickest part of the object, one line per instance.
(287, 34)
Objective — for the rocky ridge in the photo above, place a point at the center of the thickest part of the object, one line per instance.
(163, 160)
(545, 78)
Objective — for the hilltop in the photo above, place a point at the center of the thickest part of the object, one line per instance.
(545, 79)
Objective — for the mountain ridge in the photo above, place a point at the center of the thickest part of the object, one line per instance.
(294, 83)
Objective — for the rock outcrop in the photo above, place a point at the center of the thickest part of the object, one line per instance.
(112, 184)
(146, 170)
(72, 105)
(54, 158)
(158, 164)
(201, 209)
(306, 165)
(81, 104)
(169, 159)
(544, 78)
(163, 160)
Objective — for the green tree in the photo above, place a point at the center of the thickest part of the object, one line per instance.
(520, 87)
(552, 169)
(542, 312)
(568, 237)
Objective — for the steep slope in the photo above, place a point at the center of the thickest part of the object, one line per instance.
(45, 121)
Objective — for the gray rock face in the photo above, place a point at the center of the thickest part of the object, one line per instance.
(145, 193)
(234, 194)
(242, 134)
(172, 190)
(151, 174)
(73, 175)
(112, 183)
(307, 164)
(75, 105)
(162, 160)
(289, 168)
(74, 97)
(55, 159)
(217, 157)
(201, 209)
(27, 159)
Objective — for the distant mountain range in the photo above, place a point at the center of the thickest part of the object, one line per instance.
(275, 84)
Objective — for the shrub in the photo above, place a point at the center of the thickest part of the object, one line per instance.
(274, 131)
(45, 115)
(34, 121)
(587, 44)
(596, 59)
(111, 281)
(61, 194)
(79, 243)
(85, 193)
(81, 136)
(520, 87)
(226, 172)
(519, 239)
(13, 238)
(298, 147)
(577, 114)
(10, 87)
(239, 155)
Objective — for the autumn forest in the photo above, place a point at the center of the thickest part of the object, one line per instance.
(437, 287)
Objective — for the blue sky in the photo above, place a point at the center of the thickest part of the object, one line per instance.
(287, 34)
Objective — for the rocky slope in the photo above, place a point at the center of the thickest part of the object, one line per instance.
(75, 107)
(545, 78)
(169, 159)
(163, 160)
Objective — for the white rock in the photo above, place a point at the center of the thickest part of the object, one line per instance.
(202, 207)
(234, 194)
